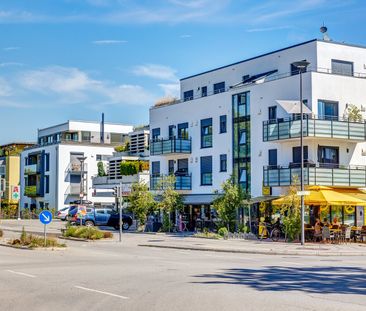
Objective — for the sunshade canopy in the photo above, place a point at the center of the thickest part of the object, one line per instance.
(293, 106)
(321, 195)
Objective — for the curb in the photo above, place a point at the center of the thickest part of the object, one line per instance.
(241, 251)
(16, 247)
(51, 234)
(73, 239)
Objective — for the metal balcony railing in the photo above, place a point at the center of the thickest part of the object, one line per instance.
(31, 169)
(322, 175)
(170, 145)
(314, 127)
(181, 182)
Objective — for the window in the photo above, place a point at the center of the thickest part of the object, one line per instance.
(75, 179)
(47, 184)
(171, 131)
(272, 113)
(171, 167)
(272, 157)
(102, 157)
(188, 95)
(206, 133)
(85, 136)
(155, 133)
(223, 162)
(219, 87)
(206, 171)
(243, 137)
(183, 130)
(155, 167)
(296, 154)
(328, 156)
(341, 67)
(223, 124)
(204, 91)
(243, 175)
(183, 166)
(327, 110)
(116, 138)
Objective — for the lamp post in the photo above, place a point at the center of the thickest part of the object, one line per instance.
(82, 160)
(301, 66)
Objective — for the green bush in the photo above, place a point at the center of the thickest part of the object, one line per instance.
(1, 233)
(208, 235)
(89, 233)
(223, 232)
(34, 241)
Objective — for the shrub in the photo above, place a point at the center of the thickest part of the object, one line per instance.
(101, 170)
(223, 232)
(33, 241)
(1, 233)
(89, 233)
(108, 235)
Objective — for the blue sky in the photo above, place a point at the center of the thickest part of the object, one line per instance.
(73, 59)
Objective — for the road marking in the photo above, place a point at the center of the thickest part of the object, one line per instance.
(101, 292)
(21, 273)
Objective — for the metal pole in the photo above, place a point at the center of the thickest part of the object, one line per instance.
(120, 212)
(45, 237)
(302, 164)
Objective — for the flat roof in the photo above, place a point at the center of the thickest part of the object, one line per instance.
(82, 121)
(273, 52)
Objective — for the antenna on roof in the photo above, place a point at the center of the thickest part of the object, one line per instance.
(324, 31)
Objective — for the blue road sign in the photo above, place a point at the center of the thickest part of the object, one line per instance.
(45, 217)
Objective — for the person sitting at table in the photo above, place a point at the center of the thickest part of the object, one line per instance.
(335, 221)
(317, 230)
(326, 223)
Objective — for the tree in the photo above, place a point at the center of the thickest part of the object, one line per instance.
(171, 200)
(141, 201)
(129, 168)
(123, 148)
(227, 203)
(353, 113)
(101, 171)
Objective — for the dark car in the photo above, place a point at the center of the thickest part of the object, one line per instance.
(100, 217)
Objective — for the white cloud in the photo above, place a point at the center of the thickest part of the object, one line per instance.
(186, 36)
(11, 48)
(266, 29)
(8, 64)
(5, 88)
(156, 71)
(171, 90)
(107, 42)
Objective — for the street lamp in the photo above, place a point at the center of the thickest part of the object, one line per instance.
(82, 160)
(301, 66)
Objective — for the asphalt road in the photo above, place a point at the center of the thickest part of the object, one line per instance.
(110, 276)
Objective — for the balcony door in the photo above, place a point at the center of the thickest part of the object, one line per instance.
(183, 166)
(328, 156)
(327, 110)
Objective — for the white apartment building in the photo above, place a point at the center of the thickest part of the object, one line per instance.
(59, 170)
(242, 120)
(139, 140)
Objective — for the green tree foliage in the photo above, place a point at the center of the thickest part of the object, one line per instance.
(141, 201)
(353, 113)
(101, 171)
(171, 200)
(228, 203)
(123, 148)
(129, 168)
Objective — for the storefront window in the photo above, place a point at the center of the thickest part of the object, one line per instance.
(336, 215)
(324, 213)
(349, 215)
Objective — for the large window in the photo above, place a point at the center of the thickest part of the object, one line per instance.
(171, 131)
(272, 113)
(219, 87)
(206, 133)
(272, 157)
(171, 167)
(206, 171)
(327, 110)
(296, 154)
(155, 133)
(155, 168)
(204, 91)
(223, 162)
(188, 95)
(47, 162)
(223, 124)
(47, 184)
(328, 156)
(183, 130)
(183, 166)
(341, 67)
(116, 138)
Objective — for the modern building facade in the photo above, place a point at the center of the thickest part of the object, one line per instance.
(59, 170)
(139, 140)
(242, 120)
(10, 163)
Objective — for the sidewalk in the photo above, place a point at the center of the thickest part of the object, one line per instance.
(254, 247)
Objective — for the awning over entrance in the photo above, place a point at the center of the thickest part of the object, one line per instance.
(321, 195)
(293, 106)
(199, 199)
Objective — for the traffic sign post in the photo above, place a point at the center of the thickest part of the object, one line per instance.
(45, 217)
(120, 197)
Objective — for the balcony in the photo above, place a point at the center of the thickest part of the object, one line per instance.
(32, 191)
(73, 189)
(353, 176)
(181, 182)
(170, 146)
(31, 169)
(75, 168)
(314, 127)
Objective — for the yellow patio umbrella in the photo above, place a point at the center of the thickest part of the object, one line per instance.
(322, 195)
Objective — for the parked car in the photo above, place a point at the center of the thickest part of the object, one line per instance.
(101, 217)
(62, 213)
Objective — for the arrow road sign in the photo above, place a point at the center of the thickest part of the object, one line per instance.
(45, 217)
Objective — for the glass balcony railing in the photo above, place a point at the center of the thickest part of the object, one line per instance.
(169, 146)
(31, 169)
(181, 182)
(313, 127)
(353, 176)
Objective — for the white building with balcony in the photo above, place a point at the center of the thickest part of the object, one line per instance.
(242, 120)
(59, 170)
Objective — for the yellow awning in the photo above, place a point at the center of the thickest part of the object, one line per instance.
(321, 195)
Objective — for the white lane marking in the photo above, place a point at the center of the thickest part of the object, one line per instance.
(21, 273)
(101, 292)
